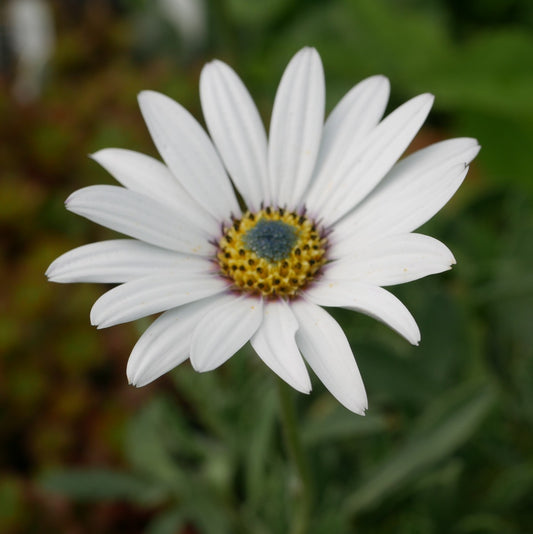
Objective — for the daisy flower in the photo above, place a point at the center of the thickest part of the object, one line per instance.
(240, 238)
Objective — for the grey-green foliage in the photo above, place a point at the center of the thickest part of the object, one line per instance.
(445, 425)
(93, 485)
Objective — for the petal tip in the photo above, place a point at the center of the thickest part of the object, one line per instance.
(97, 156)
(144, 97)
(384, 82)
(358, 406)
(305, 388)
(307, 53)
(135, 371)
(135, 381)
(378, 79)
(95, 320)
(194, 365)
(427, 100)
(424, 101)
(475, 150)
(50, 271)
(414, 336)
(70, 199)
(144, 94)
(213, 64)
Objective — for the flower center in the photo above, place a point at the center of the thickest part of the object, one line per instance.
(273, 253)
(271, 240)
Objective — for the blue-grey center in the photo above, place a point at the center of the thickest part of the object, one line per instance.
(271, 240)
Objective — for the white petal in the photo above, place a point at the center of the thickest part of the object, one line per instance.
(152, 178)
(167, 341)
(359, 111)
(296, 127)
(368, 299)
(275, 344)
(117, 261)
(327, 351)
(153, 294)
(236, 128)
(392, 260)
(189, 153)
(414, 190)
(223, 331)
(139, 216)
(366, 163)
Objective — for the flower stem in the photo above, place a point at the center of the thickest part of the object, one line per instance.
(303, 492)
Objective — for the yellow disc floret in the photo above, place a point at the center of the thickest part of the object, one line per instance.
(273, 252)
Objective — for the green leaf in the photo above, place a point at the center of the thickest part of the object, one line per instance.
(94, 485)
(485, 524)
(446, 425)
(492, 73)
(340, 424)
(259, 446)
(512, 486)
(505, 161)
(168, 522)
(256, 13)
(147, 449)
(195, 471)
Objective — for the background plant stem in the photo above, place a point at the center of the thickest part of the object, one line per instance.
(302, 490)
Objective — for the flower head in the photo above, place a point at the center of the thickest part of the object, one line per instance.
(326, 219)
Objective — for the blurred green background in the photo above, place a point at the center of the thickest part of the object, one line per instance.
(447, 444)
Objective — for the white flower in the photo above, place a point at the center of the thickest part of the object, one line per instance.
(30, 29)
(189, 17)
(326, 219)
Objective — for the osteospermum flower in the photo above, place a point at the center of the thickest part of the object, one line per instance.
(237, 239)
